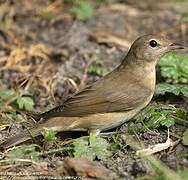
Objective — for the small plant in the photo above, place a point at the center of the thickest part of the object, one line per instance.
(81, 149)
(185, 138)
(11, 98)
(97, 68)
(24, 152)
(97, 148)
(176, 89)
(10, 101)
(25, 103)
(184, 17)
(82, 10)
(116, 143)
(174, 68)
(183, 174)
(49, 135)
(155, 116)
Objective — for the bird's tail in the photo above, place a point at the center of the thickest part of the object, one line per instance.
(22, 137)
(53, 124)
(15, 140)
(19, 138)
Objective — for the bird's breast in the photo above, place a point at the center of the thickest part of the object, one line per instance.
(145, 76)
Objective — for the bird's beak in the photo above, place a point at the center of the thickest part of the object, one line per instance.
(175, 46)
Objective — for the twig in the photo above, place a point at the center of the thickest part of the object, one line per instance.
(168, 173)
(19, 160)
(158, 147)
(104, 37)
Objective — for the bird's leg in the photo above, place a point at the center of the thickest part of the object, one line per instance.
(168, 137)
(94, 132)
(107, 133)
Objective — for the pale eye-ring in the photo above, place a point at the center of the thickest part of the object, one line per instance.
(153, 43)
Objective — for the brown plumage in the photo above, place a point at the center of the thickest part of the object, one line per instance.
(113, 99)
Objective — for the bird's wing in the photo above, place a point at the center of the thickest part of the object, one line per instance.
(101, 97)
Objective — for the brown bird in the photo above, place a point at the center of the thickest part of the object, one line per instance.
(113, 99)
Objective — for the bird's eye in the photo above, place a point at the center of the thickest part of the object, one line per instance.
(153, 43)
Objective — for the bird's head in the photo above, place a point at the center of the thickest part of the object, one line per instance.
(151, 47)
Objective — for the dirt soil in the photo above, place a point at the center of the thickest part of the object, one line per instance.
(71, 45)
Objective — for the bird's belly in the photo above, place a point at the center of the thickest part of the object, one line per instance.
(118, 119)
(112, 120)
(104, 121)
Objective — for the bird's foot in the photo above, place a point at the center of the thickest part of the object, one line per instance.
(107, 133)
(94, 132)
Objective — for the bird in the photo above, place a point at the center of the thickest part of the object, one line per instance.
(110, 101)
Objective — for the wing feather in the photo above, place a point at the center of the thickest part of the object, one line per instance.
(102, 97)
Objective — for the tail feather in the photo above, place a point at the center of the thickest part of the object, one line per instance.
(20, 138)
(54, 124)
(15, 140)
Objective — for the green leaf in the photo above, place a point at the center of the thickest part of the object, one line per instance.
(145, 114)
(49, 135)
(184, 91)
(24, 152)
(180, 113)
(163, 88)
(81, 149)
(83, 10)
(184, 17)
(174, 68)
(97, 68)
(7, 94)
(25, 103)
(168, 122)
(11, 114)
(183, 174)
(185, 138)
(99, 147)
(153, 117)
(116, 143)
(155, 120)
